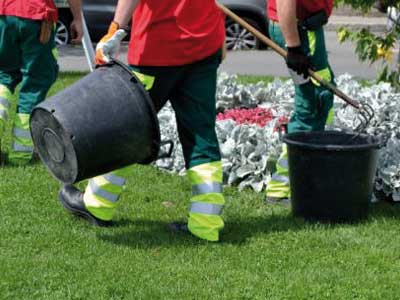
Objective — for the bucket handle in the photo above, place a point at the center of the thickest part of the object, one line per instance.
(166, 154)
(382, 141)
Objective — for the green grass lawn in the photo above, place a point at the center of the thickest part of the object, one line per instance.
(265, 253)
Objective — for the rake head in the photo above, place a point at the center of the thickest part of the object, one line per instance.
(365, 115)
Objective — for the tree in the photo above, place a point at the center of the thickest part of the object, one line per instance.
(371, 47)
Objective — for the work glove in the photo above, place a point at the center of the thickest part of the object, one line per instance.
(297, 61)
(109, 45)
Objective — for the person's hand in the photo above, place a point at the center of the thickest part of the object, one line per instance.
(76, 30)
(298, 61)
(109, 45)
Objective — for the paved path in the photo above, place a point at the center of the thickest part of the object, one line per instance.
(342, 57)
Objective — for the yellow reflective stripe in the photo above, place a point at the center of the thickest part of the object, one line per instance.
(99, 189)
(124, 172)
(312, 41)
(22, 137)
(107, 186)
(278, 189)
(282, 163)
(206, 173)
(214, 198)
(54, 51)
(5, 92)
(98, 207)
(206, 227)
(324, 74)
(331, 116)
(102, 201)
(21, 142)
(146, 80)
(22, 121)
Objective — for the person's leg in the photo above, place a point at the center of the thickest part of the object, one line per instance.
(10, 61)
(278, 187)
(39, 71)
(194, 104)
(313, 104)
(103, 192)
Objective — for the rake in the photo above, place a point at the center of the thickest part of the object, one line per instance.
(365, 111)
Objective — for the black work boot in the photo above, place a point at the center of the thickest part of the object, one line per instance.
(276, 200)
(177, 227)
(72, 200)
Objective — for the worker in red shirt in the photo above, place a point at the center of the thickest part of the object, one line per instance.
(175, 50)
(297, 25)
(28, 56)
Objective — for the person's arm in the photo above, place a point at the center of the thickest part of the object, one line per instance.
(287, 16)
(296, 59)
(76, 27)
(108, 46)
(124, 12)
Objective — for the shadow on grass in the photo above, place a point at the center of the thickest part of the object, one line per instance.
(152, 234)
(385, 210)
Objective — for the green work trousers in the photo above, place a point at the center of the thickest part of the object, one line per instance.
(191, 90)
(23, 59)
(26, 61)
(312, 103)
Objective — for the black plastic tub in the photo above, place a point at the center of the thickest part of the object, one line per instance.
(331, 174)
(103, 122)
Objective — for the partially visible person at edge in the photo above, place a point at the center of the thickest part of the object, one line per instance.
(175, 50)
(28, 56)
(297, 25)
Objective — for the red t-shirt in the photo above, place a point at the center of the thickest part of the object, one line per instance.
(175, 32)
(305, 8)
(29, 9)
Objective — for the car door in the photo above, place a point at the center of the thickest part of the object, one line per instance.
(99, 14)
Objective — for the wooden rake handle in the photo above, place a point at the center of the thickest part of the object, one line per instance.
(283, 53)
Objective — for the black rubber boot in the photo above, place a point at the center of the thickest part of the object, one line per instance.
(177, 227)
(275, 200)
(72, 200)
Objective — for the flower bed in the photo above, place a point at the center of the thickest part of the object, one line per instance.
(247, 129)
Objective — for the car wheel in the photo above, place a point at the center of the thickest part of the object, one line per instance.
(63, 35)
(239, 38)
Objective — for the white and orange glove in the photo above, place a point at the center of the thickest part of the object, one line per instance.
(109, 45)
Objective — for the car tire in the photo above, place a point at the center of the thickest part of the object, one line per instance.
(63, 35)
(239, 38)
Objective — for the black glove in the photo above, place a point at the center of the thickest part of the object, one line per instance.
(298, 61)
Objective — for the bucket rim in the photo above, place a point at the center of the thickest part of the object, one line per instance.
(373, 144)
(73, 175)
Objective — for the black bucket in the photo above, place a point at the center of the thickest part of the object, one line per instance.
(103, 122)
(331, 174)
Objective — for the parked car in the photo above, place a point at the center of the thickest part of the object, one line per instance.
(99, 14)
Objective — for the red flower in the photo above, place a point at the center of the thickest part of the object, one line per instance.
(259, 116)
